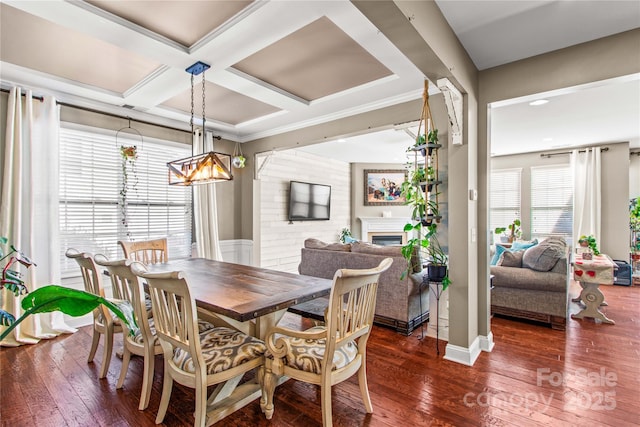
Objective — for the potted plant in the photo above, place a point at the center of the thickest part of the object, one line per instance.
(515, 232)
(345, 234)
(589, 242)
(634, 225)
(50, 298)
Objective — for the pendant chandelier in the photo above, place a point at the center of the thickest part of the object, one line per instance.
(199, 168)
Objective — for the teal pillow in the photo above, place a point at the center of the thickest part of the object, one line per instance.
(520, 245)
(496, 256)
(349, 239)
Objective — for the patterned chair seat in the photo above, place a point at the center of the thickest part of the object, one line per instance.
(307, 354)
(222, 349)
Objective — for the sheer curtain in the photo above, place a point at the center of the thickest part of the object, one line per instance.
(205, 210)
(586, 192)
(29, 208)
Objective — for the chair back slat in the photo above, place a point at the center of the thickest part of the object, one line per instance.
(92, 280)
(127, 286)
(146, 251)
(352, 305)
(174, 312)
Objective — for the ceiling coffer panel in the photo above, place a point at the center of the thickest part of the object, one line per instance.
(184, 22)
(222, 104)
(69, 54)
(316, 61)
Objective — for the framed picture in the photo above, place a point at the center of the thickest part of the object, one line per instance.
(382, 187)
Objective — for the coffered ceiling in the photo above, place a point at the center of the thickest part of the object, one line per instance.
(275, 66)
(278, 66)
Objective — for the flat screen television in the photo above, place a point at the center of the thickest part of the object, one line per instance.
(309, 202)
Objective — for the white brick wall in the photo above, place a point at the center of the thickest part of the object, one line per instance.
(281, 241)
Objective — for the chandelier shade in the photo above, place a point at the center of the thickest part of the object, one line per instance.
(207, 167)
(203, 168)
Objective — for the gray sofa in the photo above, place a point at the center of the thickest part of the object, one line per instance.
(533, 283)
(398, 301)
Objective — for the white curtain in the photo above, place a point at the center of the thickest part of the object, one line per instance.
(205, 210)
(586, 192)
(29, 208)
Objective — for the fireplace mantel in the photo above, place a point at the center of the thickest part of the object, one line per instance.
(382, 225)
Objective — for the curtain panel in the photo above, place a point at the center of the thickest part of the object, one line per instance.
(587, 202)
(29, 207)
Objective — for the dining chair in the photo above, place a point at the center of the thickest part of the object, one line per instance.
(146, 251)
(327, 355)
(194, 357)
(127, 286)
(104, 322)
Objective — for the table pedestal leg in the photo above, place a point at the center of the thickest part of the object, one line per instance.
(592, 299)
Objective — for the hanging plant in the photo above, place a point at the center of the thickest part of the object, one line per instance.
(128, 156)
(238, 160)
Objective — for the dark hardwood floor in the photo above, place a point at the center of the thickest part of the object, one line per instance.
(588, 375)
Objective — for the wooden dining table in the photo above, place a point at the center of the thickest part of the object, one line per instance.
(250, 299)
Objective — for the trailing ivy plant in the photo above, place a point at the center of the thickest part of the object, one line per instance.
(129, 155)
(50, 298)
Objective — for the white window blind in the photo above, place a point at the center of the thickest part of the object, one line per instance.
(90, 186)
(504, 200)
(552, 201)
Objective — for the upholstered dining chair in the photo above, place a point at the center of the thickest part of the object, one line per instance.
(194, 356)
(104, 322)
(327, 355)
(146, 251)
(127, 286)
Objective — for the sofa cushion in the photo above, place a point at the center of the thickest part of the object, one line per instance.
(319, 244)
(388, 250)
(545, 255)
(511, 259)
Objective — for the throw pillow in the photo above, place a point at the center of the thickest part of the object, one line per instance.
(544, 256)
(511, 259)
(523, 244)
(349, 239)
(496, 256)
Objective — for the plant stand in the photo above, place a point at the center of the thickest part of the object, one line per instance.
(437, 291)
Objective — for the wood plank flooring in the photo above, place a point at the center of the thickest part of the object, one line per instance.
(588, 375)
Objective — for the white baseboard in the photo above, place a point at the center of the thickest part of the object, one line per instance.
(486, 342)
(463, 355)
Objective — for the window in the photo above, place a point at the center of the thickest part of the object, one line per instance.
(552, 202)
(504, 200)
(90, 185)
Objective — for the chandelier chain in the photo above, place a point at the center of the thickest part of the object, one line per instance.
(203, 105)
(192, 105)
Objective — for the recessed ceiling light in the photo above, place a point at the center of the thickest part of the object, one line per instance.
(538, 102)
(342, 140)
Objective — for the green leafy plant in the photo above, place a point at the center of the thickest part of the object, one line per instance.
(50, 298)
(590, 242)
(515, 232)
(425, 215)
(129, 155)
(344, 234)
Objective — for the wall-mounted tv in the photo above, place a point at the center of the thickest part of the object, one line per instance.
(309, 202)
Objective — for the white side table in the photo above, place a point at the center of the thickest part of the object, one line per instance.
(591, 273)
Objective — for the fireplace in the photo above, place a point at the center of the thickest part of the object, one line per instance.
(384, 230)
(387, 239)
